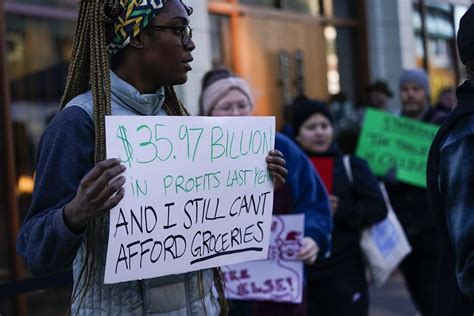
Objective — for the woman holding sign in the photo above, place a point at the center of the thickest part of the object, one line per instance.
(225, 94)
(126, 58)
(337, 285)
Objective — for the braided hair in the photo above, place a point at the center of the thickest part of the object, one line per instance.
(90, 70)
(90, 67)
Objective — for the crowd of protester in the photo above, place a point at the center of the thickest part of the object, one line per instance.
(319, 176)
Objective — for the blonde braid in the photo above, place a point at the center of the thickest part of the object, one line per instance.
(172, 104)
(102, 103)
(220, 287)
(78, 75)
(89, 69)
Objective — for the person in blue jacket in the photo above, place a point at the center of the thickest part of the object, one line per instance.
(225, 94)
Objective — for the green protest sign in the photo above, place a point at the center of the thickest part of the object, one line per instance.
(388, 141)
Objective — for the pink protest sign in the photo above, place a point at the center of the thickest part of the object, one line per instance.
(280, 277)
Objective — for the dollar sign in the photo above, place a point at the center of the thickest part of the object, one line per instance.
(122, 135)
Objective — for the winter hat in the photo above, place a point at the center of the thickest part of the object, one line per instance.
(134, 16)
(219, 89)
(304, 109)
(380, 86)
(217, 84)
(466, 36)
(416, 76)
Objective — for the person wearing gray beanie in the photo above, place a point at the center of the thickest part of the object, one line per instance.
(418, 77)
(411, 204)
(415, 96)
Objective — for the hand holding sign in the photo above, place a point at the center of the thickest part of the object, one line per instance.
(100, 190)
(276, 165)
(309, 251)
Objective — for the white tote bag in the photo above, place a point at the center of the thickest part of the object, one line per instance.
(384, 245)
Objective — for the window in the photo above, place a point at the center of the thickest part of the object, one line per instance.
(438, 39)
(221, 46)
(37, 78)
(342, 61)
(263, 3)
(305, 6)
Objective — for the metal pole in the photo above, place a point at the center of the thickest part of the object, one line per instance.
(235, 38)
(362, 51)
(424, 35)
(9, 181)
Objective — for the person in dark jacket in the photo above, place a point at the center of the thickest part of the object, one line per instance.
(379, 95)
(450, 175)
(446, 101)
(225, 94)
(337, 285)
(411, 204)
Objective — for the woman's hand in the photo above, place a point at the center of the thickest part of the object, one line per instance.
(309, 251)
(100, 190)
(334, 202)
(276, 164)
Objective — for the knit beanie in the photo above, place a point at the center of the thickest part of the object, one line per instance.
(416, 76)
(466, 36)
(216, 84)
(304, 109)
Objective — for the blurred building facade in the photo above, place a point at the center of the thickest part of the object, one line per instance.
(282, 47)
(407, 34)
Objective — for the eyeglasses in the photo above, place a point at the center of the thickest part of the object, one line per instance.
(185, 31)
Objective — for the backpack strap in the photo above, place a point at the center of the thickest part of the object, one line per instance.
(346, 160)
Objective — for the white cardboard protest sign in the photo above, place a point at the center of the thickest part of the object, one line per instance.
(198, 194)
(280, 277)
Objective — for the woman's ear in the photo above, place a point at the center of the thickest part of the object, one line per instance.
(138, 41)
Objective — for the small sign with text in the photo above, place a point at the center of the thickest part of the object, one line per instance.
(280, 277)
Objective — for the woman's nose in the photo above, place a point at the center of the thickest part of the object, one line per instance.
(190, 47)
(235, 111)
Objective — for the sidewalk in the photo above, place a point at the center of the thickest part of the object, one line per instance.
(392, 299)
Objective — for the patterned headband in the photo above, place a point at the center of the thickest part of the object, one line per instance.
(135, 16)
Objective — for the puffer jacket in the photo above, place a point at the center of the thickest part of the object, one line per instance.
(48, 246)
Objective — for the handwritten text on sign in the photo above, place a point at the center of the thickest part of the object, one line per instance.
(198, 194)
(388, 141)
(280, 277)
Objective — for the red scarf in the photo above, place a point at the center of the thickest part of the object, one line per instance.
(325, 168)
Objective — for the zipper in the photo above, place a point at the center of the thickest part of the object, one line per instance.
(145, 305)
(186, 293)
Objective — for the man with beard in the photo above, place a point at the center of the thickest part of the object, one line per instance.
(411, 204)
